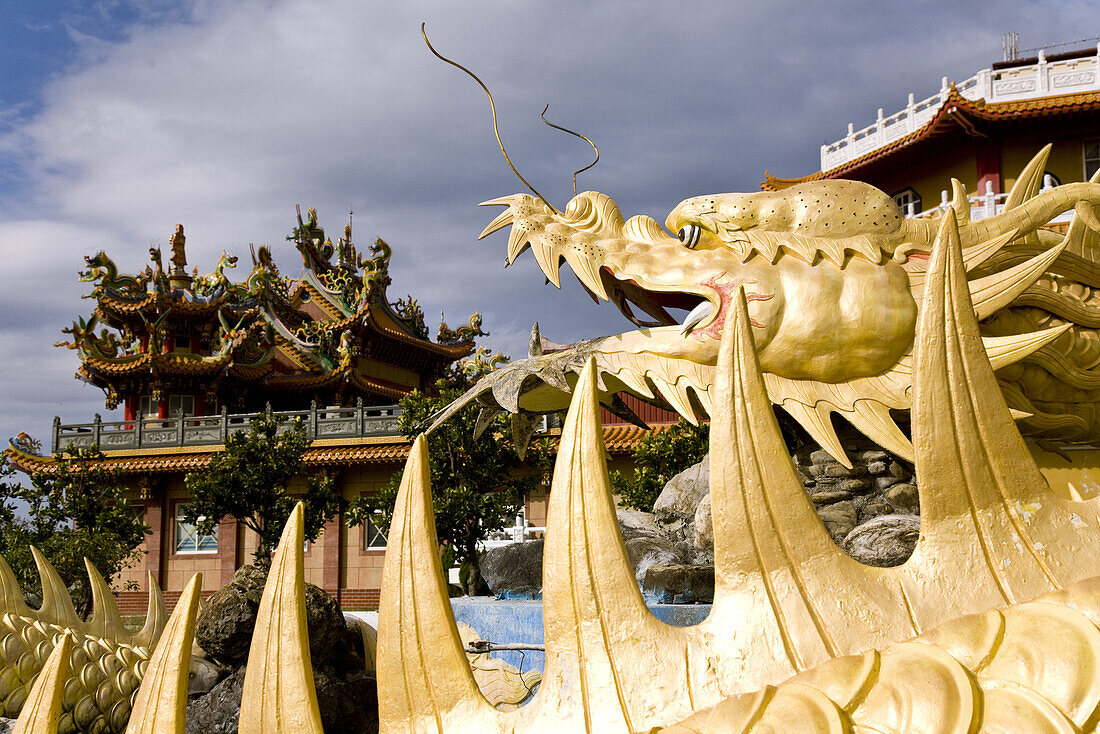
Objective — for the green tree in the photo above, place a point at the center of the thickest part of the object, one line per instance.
(657, 458)
(478, 484)
(249, 480)
(78, 509)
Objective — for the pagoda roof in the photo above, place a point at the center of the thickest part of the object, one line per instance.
(955, 112)
(283, 333)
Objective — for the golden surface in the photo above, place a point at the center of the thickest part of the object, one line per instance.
(834, 276)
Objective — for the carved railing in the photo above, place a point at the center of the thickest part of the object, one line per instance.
(1041, 79)
(358, 421)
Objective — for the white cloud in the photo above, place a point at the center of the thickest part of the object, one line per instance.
(224, 115)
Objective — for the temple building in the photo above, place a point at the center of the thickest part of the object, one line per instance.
(192, 358)
(981, 131)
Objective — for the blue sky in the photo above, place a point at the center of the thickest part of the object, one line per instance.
(120, 119)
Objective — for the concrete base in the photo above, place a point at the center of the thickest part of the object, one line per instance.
(521, 621)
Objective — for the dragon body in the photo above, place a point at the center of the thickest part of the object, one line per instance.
(834, 278)
(106, 662)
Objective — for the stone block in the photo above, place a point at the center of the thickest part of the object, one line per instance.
(689, 584)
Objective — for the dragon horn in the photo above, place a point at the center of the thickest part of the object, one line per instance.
(57, 605)
(41, 712)
(161, 702)
(1030, 179)
(105, 621)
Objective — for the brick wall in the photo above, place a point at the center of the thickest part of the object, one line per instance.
(136, 603)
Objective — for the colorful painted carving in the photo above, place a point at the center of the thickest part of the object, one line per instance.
(993, 624)
(835, 277)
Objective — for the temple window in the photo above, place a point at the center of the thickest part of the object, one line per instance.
(181, 405)
(147, 407)
(373, 538)
(189, 540)
(905, 198)
(1092, 156)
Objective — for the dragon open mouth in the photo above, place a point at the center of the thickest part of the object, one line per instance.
(628, 295)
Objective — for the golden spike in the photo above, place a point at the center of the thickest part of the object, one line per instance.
(41, 712)
(960, 202)
(675, 396)
(1029, 182)
(994, 292)
(776, 568)
(979, 253)
(11, 596)
(160, 706)
(517, 240)
(549, 261)
(1004, 350)
(818, 423)
(989, 523)
(105, 621)
(586, 273)
(424, 678)
(501, 221)
(156, 616)
(873, 419)
(1083, 210)
(603, 646)
(1081, 239)
(57, 605)
(501, 200)
(278, 696)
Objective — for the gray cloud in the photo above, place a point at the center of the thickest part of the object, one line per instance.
(223, 116)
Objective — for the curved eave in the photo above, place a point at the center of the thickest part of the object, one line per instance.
(124, 309)
(955, 103)
(620, 441)
(165, 364)
(448, 352)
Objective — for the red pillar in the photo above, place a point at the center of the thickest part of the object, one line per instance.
(162, 408)
(229, 549)
(156, 517)
(331, 542)
(987, 160)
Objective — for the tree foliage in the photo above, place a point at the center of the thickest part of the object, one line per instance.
(478, 485)
(659, 457)
(76, 510)
(250, 480)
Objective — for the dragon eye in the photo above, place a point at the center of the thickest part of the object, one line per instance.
(689, 235)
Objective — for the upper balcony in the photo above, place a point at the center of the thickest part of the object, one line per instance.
(1042, 78)
(359, 421)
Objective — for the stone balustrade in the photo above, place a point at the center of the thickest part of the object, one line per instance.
(356, 421)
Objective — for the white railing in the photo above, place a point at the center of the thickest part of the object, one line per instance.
(1041, 79)
(982, 205)
(518, 533)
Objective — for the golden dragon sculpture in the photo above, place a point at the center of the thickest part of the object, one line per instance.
(834, 276)
(992, 625)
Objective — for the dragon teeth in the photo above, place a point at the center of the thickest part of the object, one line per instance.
(699, 313)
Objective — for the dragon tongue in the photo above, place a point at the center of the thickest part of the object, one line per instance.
(697, 314)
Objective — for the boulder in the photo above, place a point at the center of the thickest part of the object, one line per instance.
(637, 524)
(704, 527)
(681, 496)
(839, 518)
(680, 584)
(348, 705)
(647, 552)
(514, 571)
(887, 540)
(7, 726)
(217, 712)
(904, 497)
(224, 629)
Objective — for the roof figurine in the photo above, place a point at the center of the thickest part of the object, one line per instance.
(331, 335)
